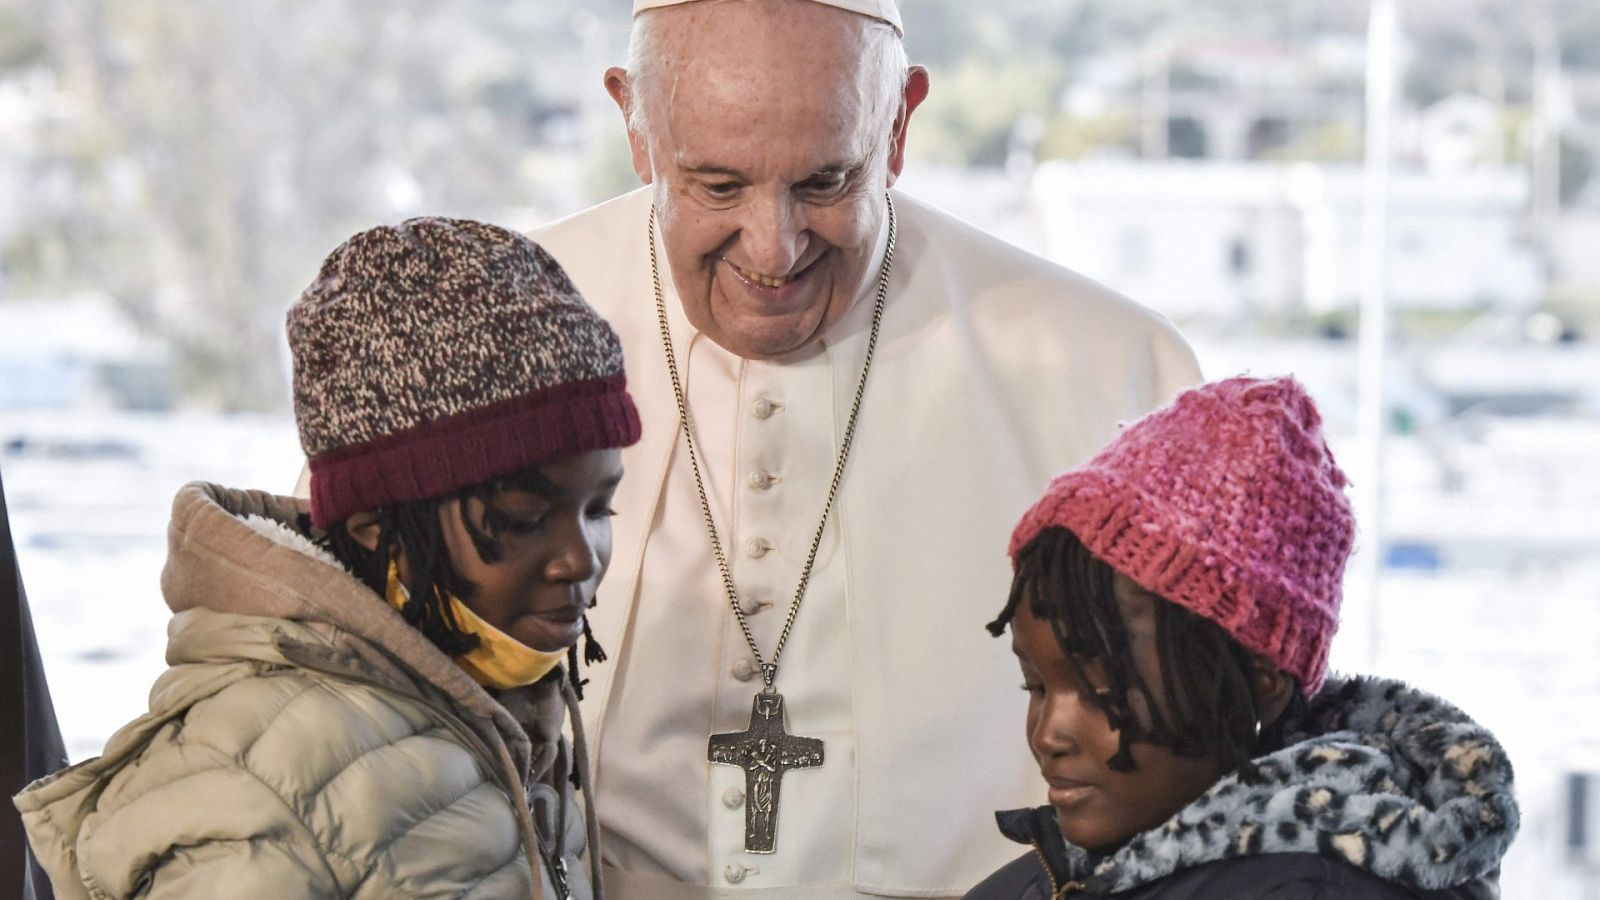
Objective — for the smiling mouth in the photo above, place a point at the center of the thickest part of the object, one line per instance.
(1067, 791)
(768, 281)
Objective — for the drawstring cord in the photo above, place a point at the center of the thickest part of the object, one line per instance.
(580, 750)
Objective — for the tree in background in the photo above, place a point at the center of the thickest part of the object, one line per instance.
(214, 151)
(195, 160)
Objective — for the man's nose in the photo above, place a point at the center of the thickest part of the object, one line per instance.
(774, 236)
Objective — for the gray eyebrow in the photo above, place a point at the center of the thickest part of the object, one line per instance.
(715, 170)
(838, 168)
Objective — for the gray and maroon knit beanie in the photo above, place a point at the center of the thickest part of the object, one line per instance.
(1227, 503)
(441, 353)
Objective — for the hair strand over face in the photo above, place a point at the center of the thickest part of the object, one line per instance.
(415, 530)
(1205, 676)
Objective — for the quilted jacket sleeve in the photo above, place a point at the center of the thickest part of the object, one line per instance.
(245, 869)
(189, 821)
(294, 785)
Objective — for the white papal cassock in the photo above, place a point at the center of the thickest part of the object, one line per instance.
(994, 371)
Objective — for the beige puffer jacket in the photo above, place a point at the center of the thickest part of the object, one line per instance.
(307, 742)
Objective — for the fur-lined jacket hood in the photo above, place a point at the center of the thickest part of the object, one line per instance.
(246, 553)
(1394, 786)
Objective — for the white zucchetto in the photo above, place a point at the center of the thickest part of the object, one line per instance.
(883, 10)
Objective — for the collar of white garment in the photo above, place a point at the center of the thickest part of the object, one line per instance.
(884, 10)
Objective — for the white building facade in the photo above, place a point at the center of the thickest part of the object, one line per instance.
(1225, 240)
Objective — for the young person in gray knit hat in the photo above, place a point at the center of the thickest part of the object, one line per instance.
(367, 695)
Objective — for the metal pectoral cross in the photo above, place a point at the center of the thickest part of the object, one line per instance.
(765, 751)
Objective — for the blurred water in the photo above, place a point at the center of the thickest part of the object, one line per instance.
(89, 496)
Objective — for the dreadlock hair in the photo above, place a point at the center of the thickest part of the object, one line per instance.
(413, 528)
(1205, 673)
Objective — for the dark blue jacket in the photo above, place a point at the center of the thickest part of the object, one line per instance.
(1278, 876)
(30, 741)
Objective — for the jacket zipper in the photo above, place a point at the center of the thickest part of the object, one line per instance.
(1045, 864)
(1057, 891)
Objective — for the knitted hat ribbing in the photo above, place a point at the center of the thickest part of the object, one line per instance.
(1227, 503)
(442, 353)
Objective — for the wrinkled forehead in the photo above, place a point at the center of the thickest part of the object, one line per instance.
(779, 69)
(787, 137)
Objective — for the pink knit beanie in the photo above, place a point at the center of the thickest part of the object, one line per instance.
(1227, 503)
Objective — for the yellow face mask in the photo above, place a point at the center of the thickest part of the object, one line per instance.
(500, 660)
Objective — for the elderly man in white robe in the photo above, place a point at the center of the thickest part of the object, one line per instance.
(848, 398)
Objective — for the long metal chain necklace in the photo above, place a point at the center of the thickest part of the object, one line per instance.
(765, 749)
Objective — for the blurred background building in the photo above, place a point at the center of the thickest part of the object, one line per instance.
(172, 174)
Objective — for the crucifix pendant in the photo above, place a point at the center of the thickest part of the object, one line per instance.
(764, 751)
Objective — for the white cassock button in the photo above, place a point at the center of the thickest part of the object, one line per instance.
(755, 548)
(764, 408)
(733, 798)
(744, 670)
(760, 479)
(750, 605)
(734, 872)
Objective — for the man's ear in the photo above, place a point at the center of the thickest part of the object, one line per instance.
(363, 526)
(916, 92)
(620, 88)
(1272, 687)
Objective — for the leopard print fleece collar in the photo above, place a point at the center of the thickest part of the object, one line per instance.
(1379, 775)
